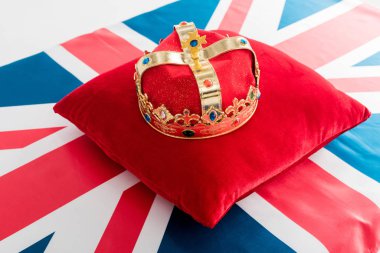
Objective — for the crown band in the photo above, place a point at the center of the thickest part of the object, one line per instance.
(213, 121)
(191, 42)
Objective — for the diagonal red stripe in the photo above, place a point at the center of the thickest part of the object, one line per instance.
(335, 214)
(22, 138)
(52, 180)
(234, 18)
(334, 38)
(361, 84)
(127, 220)
(102, 50)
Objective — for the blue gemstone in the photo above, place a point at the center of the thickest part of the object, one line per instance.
(188, 133)
(194, 43)
(146, 60)
(243, 41)
(258, 94)
(212, 115)
(147, 117)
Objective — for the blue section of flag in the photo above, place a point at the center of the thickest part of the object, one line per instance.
(373, 60)
(236, 232)
(159, 23)
(40, 246)
(34, 80)
(296, 10)
(360, 147)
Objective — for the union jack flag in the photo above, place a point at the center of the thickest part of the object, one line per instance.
(60, 193)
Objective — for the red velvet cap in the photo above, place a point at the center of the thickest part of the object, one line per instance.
(175, 85)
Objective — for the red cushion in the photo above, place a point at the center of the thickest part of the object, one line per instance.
(299, 112)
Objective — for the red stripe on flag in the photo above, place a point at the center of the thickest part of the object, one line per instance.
(52, 180)
(102, 50)
(334, 38)
(361, 84)
(127, 220)
(234, 18)
(325, 207)
(22, 138)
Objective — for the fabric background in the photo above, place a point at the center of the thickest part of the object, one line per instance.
(62, 195)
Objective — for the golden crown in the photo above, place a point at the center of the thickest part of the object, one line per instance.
(213, 121)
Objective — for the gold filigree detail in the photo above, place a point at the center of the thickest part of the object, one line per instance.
(164, 128)
(187, 119)
(145, 104)
(203, 125)
(163, 114)
(236, 107)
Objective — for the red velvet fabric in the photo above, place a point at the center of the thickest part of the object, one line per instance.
(299, 111)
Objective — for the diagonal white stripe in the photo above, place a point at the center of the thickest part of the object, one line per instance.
(78, 225)
(279, 225)
(370, 99)
(71, 63)
(133, 37)
(15, 158)
(30, 117)
(313, 20)
(265, 15)
(347, 174)
(342, 67)
(154, 227)
(218, 15)
(262, 19)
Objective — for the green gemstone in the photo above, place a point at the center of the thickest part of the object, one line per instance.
(251, 95)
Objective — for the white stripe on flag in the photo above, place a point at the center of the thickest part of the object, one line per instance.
(12, 159)
(265, 15)
(218, 15)
(279, 225)
(342, 67)
(30, 117)
(154, 227)
(79, 225)
(262, 20)
(133, 37)
(314, 20)
(347, 174)
(71, 63)
(370, 99)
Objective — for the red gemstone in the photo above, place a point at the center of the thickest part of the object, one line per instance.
(207, 83)
(236, 121)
